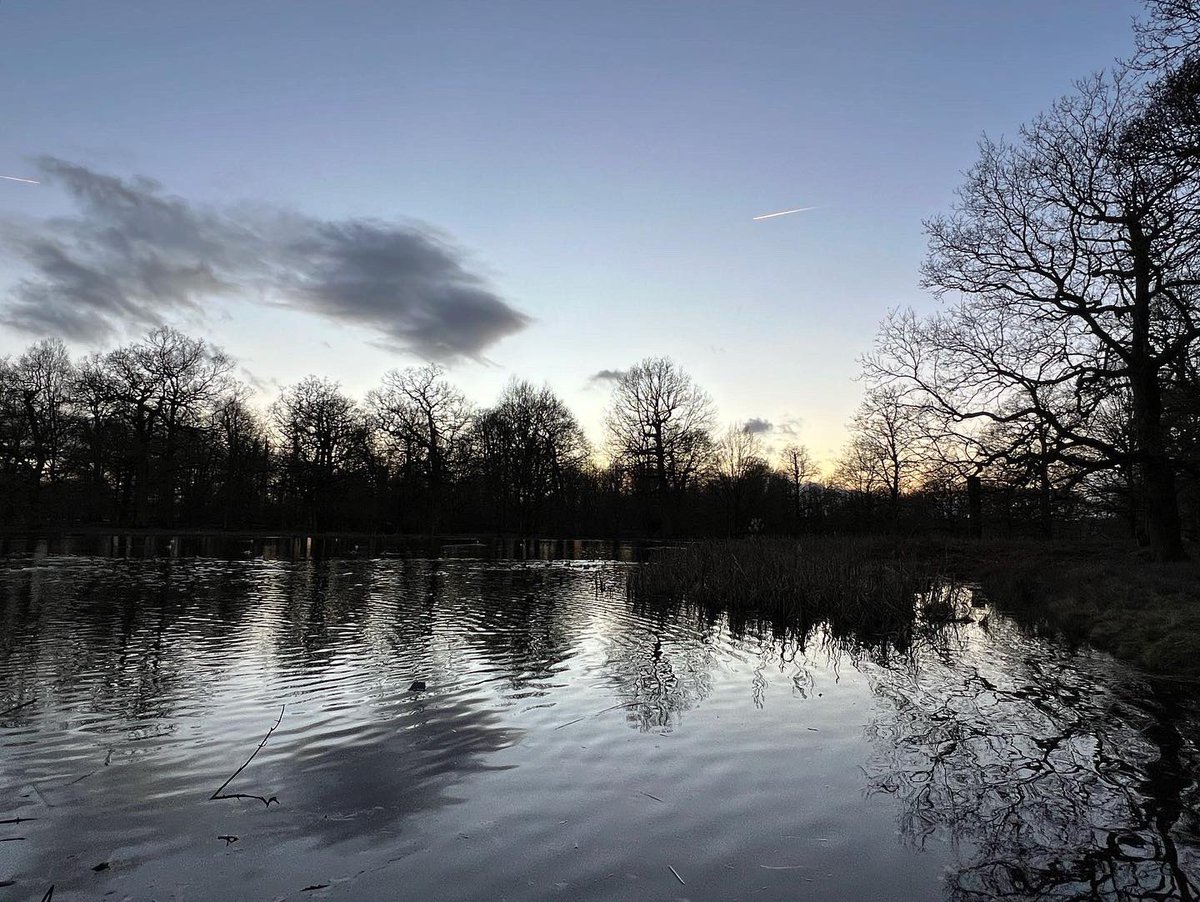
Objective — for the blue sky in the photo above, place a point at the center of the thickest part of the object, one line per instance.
(598, 164)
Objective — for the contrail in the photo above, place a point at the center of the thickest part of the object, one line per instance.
(783, 213)
(13, 178)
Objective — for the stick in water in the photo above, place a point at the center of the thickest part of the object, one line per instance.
(246, 795)
(8, 711)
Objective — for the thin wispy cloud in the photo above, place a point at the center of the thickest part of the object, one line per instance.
(789, 426)
(134, 256)
(783, 213)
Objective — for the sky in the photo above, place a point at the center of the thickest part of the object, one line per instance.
(546, 190)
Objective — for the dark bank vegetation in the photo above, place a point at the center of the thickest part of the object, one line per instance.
(873, 588)
(1101, 593)
(812, 578)
(160, 434)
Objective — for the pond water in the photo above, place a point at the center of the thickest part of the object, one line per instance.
(481, 729)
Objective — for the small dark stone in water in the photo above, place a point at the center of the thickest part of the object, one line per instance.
(417, 686)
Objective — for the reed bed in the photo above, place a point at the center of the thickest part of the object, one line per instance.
(858, 584)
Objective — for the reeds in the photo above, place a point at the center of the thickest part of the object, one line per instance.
(862, 585)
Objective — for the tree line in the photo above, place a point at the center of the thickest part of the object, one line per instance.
(160, 433)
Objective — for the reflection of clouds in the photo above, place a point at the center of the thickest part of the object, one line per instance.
(361, 788)
(1047, 784)
(133, 661)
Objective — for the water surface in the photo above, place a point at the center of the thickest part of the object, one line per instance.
(566, 744)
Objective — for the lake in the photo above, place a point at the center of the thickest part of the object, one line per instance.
(467, 728)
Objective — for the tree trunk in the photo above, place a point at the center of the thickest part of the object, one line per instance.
(975, 506)
(1045, 508)
(1161, 501)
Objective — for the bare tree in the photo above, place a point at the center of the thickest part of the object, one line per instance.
(146, 402)
(1084, 231)
(989, 391)
(659, 423)
(1168, 36)
(423, 420)
(797, 465)
(35, 395)
(886, 446)
(740, 468)
(240, 441)
(528, 449)
(322, 438)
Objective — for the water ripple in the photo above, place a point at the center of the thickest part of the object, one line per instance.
(480, 729)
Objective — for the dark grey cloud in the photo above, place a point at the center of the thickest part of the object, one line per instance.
(757, 426)
(133, 255)
(607, 376)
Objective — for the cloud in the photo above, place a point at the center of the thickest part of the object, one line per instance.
(134, 256)
(757, 426)
(790, 426)
(607, 376)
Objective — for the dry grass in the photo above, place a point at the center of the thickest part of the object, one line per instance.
(1105, 594)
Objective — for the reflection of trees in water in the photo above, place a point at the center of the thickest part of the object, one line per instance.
(521, 625)
(1047, 784)
(123, 633)
(662, 661)
(321, 600)
(663, 678)
(512, 624)
(659, 681)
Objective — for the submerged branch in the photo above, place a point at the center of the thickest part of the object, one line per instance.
(25, 704)
(245, 795)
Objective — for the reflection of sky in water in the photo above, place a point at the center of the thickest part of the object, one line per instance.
(567, 743)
